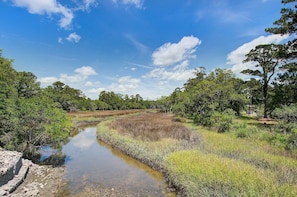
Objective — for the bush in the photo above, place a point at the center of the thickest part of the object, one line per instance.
(287, 124)
(244, 131)
(223, 121)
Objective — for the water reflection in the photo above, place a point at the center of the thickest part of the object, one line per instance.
(90, 163)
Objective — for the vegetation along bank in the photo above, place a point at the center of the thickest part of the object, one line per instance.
(202, 162)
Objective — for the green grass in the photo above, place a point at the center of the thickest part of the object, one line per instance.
(216, 164)
(200, 174)
(152, 153)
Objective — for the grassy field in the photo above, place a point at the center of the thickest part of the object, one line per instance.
(201, 162)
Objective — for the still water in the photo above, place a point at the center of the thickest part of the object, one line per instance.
(93, 168)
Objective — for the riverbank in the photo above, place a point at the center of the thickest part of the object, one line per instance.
(40, 181)
(213, 164)
(161, 135)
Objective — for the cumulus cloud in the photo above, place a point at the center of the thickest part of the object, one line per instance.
(48, 80)
(236, 57)
(125, 84)
(175, 74)
(136, 3)
(172, 53)
(85, 71)
(73, 37)
(48, 7)
(81, 75)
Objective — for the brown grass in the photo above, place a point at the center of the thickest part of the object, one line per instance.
(102, 114)
(152, 127)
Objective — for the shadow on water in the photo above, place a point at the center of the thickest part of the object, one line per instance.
(93, 168)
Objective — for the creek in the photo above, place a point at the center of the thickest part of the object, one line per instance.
(93, 168)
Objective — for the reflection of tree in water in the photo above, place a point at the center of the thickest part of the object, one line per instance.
(55, 159)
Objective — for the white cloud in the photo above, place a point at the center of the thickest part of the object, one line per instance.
(172, 53)
(89, 3)
(125, 84)
(236, 57)
(136, 3)
(82, 74)
(73, 37)
(85, 71)
(170, 75)
(72, 78)
(60, 40)
(48, 80)
(48, 7)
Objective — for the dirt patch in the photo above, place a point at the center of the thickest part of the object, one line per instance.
(42, 181)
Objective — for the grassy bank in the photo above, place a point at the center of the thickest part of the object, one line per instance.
(153, 144)
(201, 162)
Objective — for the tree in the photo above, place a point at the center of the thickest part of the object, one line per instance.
(287, 80)
(206, 98)
(269, 58)
(8, 94)
(113, 100)
(68, 99)
(27, 86)
(28, 119)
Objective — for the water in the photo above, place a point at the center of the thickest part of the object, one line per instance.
(93, 168)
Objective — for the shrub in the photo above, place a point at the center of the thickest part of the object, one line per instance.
(223, 121)
(287, 124)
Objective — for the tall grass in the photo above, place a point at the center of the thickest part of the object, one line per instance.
(200, 174)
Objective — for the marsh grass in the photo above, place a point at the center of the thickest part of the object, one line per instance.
(200, 174)
(154, 146)
(201, 162)
(153, 127)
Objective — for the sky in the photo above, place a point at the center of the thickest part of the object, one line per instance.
(146, 47)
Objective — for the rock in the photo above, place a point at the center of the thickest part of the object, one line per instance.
(11, 162)
(22, 178)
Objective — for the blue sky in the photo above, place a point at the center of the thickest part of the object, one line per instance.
(145, 47)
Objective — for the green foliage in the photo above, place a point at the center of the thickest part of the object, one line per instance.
(28, 119)
(268, 59)
(205, 95)
(287, 124)
(223, 121)
(242, 130)
(113, 101)
(285, 91)
(66, 97)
